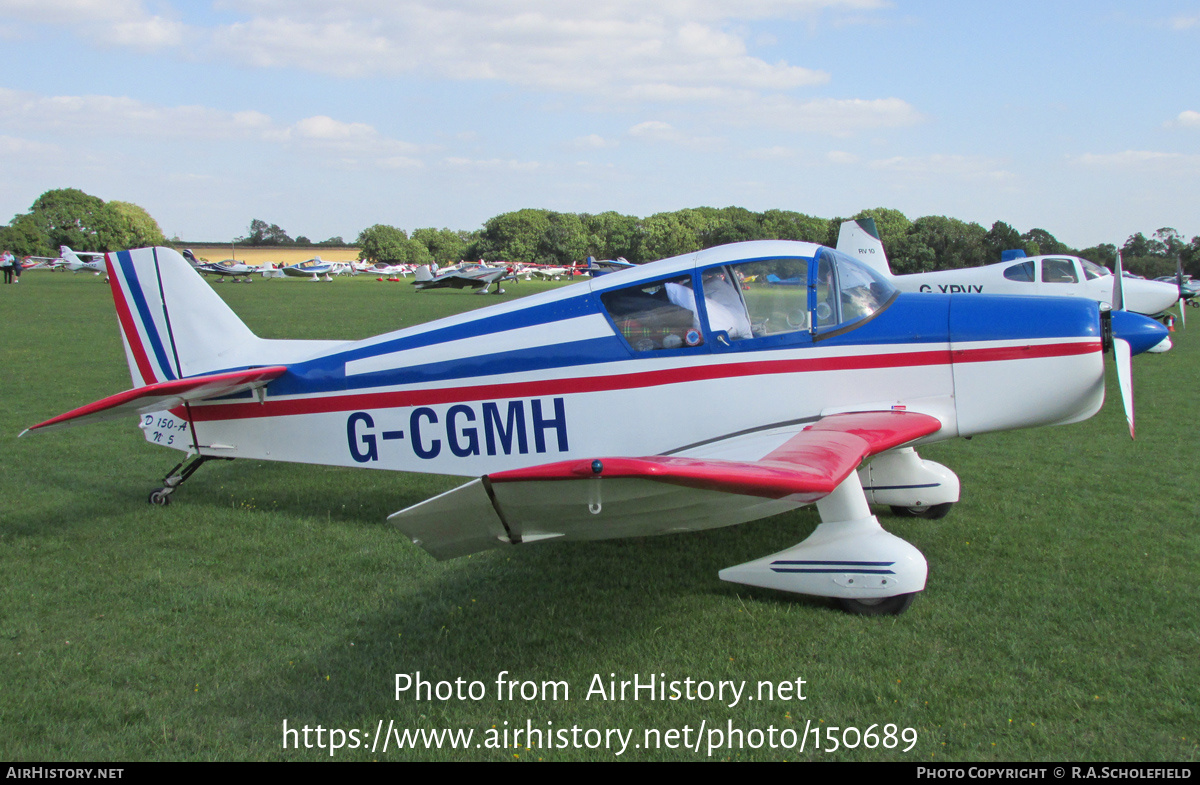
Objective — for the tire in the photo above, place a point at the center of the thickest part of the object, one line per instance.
(159, 498)
(883, 606)
(931, 512)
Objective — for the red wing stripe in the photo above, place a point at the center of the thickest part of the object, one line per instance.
(809, 466)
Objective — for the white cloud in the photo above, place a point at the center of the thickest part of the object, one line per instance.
(775, 153)
(12, 146)
(91, 115)
(841, 157)
(1188, 119)
(494, 164)
(830, 116)
(619, 49)
(75, 11)
(119, 23)
(1141, 161)
(962, 167)
(1184, 22)
(665, 133)
(594, 142)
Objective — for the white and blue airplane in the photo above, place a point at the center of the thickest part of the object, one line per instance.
(1052, 275)
(311, 269)
(74, 261)
(479, 276)
(231, 268)
(666, 398)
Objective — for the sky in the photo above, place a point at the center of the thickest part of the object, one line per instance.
(1082, 118)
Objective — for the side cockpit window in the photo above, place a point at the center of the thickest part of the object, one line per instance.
(847, 292)
(775, 294)
(655, 316)
(1058, 271)
(1020, 272)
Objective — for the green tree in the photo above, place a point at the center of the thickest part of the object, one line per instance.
(954, 243)
(134, 227)
(1000, 238)
(262, 233)
(1104, 254)
(24, 237)
(68, 216)
(383, 243)
(565, 240)
(668, 234)
(788, 225)
(1039, 241)
(612, 235)
(443, 245)
(515, 237)
(893, 227)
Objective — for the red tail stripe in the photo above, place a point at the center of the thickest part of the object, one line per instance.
(129, 326)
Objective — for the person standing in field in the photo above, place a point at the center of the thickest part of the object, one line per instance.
(8, 261)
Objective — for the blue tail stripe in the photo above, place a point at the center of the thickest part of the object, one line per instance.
(143, 309)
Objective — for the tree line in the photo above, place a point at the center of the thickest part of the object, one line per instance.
(86, 223)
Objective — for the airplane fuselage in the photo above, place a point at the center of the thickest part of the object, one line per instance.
(1056, 276)
(551, 377)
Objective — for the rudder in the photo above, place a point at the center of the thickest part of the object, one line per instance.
(173, 324)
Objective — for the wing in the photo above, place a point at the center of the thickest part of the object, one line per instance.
(695, 489)
(162, 395)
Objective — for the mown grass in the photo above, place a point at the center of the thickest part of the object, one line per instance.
(1061, 619)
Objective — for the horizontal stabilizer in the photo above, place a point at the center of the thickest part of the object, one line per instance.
(163, 395)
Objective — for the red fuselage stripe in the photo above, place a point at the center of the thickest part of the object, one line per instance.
(547, 387)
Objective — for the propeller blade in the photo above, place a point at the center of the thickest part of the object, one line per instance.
(1122, 354)
(1118, 293)
(1179, 283)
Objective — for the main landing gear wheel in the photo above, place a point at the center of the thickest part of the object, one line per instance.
(881, 606)
(931, 512)
(160, 498)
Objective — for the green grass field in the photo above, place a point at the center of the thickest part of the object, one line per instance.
(1061, 621)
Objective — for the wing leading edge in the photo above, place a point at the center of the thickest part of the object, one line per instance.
(622, 497)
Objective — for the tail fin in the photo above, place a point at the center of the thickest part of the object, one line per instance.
(173, 323)
(424, 274)
(860, 239)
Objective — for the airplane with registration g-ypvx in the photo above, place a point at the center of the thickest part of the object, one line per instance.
(666, 398)
(1053, 275)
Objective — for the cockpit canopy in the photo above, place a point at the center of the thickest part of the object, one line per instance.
(804, 297)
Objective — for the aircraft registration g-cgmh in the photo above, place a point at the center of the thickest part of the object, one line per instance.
(670, 397)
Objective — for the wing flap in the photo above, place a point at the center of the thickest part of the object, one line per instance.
(163, 395)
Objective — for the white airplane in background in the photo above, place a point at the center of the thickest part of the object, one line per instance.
(665, 398)
(74, 262)
(227, 268)
(1052, 275)
(468, 275)
(311, 269)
